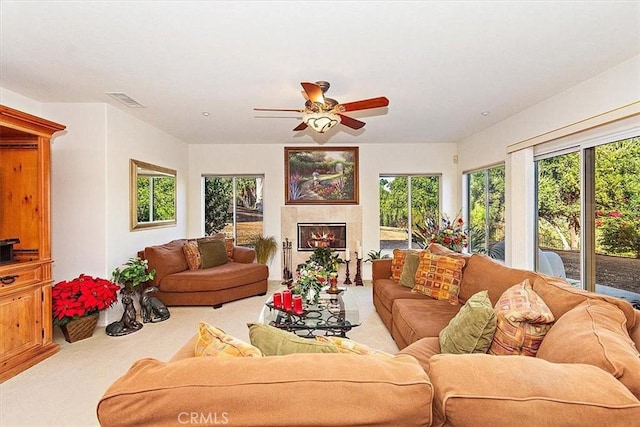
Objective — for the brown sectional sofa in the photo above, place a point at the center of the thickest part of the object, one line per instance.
(418, 386)
(238, 278)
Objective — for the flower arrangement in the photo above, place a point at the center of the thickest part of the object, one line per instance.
(449, 232)
(133, 273)
(82, 296)
(321, 267)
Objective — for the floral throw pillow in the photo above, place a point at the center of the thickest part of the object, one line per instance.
(523, 320)
(439, 277)
(192, 255)
(215, 342)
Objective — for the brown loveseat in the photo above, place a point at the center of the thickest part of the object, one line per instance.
(418, 386)
(239, 277)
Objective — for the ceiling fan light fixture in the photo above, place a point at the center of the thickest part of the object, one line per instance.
(321, 122)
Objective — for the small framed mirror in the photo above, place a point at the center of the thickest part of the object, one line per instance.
(153, 195)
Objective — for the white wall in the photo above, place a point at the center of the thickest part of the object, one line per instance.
(19, 102)
(612, 89)
(269, 160)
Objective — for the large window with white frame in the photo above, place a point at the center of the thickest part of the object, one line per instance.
(588, 215)
(233, 206)
(405, 202)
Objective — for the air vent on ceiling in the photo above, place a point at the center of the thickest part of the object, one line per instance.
(125, 99)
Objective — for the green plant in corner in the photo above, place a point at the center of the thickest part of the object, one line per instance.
(132, 274)
(376, 255)
(265, 247)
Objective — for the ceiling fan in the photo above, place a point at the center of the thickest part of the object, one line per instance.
(322, 113)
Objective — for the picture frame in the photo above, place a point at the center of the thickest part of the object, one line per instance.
(321, 176)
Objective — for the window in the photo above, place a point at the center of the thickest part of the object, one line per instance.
(233, 206)
(485, 211)
(589, 216)
(406, 200)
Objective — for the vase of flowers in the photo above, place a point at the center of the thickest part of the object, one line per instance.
(313, 275)
(76, 304)
(448, 232)
(131, 275)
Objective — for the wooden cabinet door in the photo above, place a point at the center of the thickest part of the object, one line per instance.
(20, 321)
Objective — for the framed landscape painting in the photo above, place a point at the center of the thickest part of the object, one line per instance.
(326, 176)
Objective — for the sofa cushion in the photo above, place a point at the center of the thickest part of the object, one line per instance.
(399, 256)
(439, 276)
(408, 275)
(483, 273)
(212, 252)
(481, 389)
(166, 259)
(415, 319)
(595, 333)
(472, 329)
(388, 291)
(423, 350)
(215, 342)
(523, 320)
(226, 276)
(345, 345)
(275, 342)
(294, 390)
(192, 255)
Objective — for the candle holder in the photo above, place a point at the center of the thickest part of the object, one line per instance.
(358, 272)
(347, 279)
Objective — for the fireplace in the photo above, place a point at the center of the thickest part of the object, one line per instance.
(312, 235)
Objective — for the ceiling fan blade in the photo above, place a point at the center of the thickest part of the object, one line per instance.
(313, 91)
(297, 110)
(350, 122)
(364, 104)
(301, 126)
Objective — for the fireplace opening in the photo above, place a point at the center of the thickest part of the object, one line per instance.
(312, 235)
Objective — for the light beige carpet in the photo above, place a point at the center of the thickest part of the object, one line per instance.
(64, 389)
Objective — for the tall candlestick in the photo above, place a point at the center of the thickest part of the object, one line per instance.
(358, 272)
(347, 280)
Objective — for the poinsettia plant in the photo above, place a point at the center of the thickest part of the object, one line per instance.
(82, 296)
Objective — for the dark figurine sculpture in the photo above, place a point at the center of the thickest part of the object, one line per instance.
(153, 310)
(128, 323)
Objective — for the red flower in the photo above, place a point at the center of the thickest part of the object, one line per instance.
(81, 296)
(615, 214)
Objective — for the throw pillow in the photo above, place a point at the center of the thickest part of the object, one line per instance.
(275, 342)
(439, 277)
(345, 345)
(192, 255)
(595, 333)
(215, 342)
(228, 244)
(472, 329)
(408, 275)
(523, 319)
(399, 255)
(212, 252)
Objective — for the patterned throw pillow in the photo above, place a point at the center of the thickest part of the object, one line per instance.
(523, 321)
(439, 277)
(399, 255)
(345, 345)
(408, 276)
(215, 342)
(472, 329)
(228, 244)
(192, 255)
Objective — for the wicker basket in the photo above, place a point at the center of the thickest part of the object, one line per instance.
(80, 329)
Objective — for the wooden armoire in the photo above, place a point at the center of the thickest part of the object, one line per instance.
(26, 335)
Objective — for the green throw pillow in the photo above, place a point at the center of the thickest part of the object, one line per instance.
(276, 342)
(212, 252)
(472, 329)
(408, 275)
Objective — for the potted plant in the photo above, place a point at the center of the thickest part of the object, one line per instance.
(373, 255)
(265, 247)
(76, 304)
(132, 274)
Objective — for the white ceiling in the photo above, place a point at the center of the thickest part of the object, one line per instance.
(441, 64)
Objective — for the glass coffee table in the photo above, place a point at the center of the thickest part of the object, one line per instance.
(333, 315)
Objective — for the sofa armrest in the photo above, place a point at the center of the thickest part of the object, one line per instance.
(500, 389)
(251, 391)
(381, 268)
(243, 254)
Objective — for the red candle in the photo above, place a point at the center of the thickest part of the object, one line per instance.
(286, 299)
(297, 304)
(277, 300)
